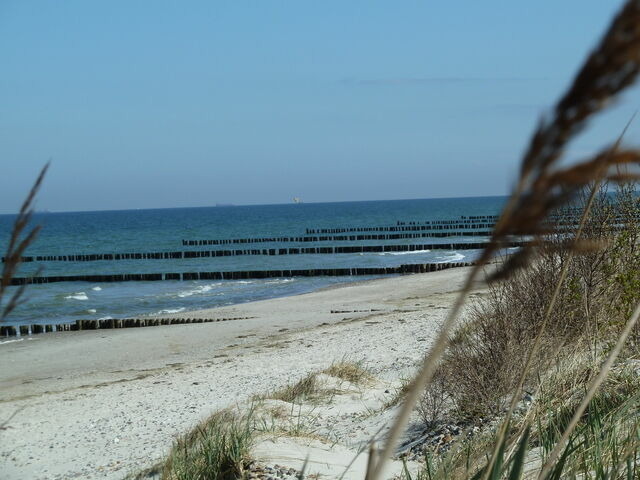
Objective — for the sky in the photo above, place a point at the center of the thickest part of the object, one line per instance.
(152, 104)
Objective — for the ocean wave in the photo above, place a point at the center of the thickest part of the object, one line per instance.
(96, 289)
(11, 341)
(198, 290)
(91, 310)
(77, 296)
(106, 318)
(453, 257)
(171, 310)
(279, 281)
(395, 253)
(406, 253)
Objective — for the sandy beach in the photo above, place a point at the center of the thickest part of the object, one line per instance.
(103, 404)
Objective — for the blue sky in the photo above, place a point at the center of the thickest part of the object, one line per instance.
(170, 104)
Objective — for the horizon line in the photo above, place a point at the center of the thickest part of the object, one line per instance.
(230, 205)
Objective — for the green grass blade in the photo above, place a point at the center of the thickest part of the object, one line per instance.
(518, 460)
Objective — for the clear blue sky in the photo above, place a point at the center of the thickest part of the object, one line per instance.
(143, 104)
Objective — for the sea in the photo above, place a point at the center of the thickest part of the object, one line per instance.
(255, 227)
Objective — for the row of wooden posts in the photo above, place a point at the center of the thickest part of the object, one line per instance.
(23, 330)
(17, 330)
(568, 219)
(462, 220)
(264, 251)
(403, 228)
(335, 238)
(243, 275)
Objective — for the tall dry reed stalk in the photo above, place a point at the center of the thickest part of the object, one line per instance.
(19, 240)
(501, 437)
(542, 187)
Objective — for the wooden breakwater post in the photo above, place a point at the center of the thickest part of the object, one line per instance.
(234, 275)
(111, 323)
(178, 255)
(13, 330)
(433, 225)
(331, 250)
(342, 238)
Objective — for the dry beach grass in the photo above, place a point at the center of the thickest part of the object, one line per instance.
(21, 237)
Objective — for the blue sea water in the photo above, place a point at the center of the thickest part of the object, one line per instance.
(163, 230)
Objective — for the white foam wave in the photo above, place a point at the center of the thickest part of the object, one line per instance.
(399, 253)
(96, 289)
(91, 310)
(407, 253)
(198, 290)
(453, 257)
(105, 318)
(282, 280)
(11, 341)
(171, 310)
(244, 282)
(77, 296)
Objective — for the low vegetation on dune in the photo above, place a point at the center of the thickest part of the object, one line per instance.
(349, 371)
(303, 389)
(220, 447)
(488, 352)
(310, 388)
(487, 370)
(217, 449)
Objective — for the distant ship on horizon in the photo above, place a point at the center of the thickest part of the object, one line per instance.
(297, 200)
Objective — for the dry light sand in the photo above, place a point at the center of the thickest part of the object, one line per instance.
(103, 404)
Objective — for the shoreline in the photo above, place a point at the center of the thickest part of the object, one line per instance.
(187, 311)
(25, 328)
(104, 403)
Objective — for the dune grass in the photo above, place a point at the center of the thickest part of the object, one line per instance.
(310, 387)
(353, 372)
(217, 449)
(306, 388)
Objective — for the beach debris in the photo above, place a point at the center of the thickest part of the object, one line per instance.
(259, 471)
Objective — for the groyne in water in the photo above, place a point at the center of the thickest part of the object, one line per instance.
(18, 330)
(264, 251)
(456, 226)
(108, 323)
(440, 225)
(243, 275)
(335, 238)
(463, 219)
